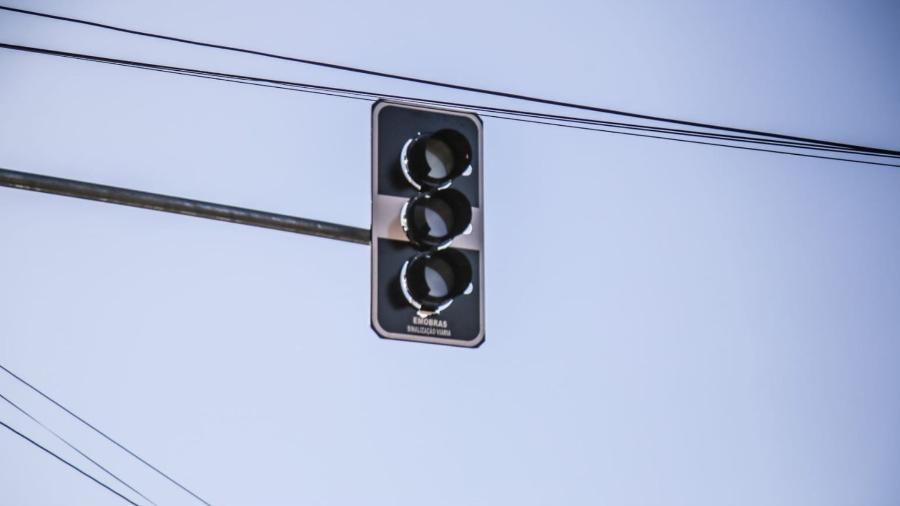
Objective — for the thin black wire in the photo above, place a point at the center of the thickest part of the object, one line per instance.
(370, 96)
(302, 88)
(805, 155)
(350, 93)
(648, 128)
(429, 82)
(66, 462)
(70, 445)
(692, 133)
(98, 431)
(374, 96)
(225, 79)
(355, 94)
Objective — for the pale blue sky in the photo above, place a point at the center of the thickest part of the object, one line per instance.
(667, 324)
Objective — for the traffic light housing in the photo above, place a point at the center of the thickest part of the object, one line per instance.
(427, 225)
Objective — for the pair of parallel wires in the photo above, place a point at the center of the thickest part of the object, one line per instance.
(674, 129)
(82, 453)
(647, 126)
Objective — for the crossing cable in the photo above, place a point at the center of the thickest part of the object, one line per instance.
(98, 431)
(442, 84)
(512, 115)
(66, 462)
(347, 93)
(508, 114)
(350, 93)
(70, 445)
(371, 96)
(732, 146)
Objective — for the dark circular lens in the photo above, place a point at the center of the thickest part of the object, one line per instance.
(438, 277)
(439, 158)
(436, 217)
(432, 280)
(433, 160)
(433, 219)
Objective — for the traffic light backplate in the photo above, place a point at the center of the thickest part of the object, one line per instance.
(427, 225)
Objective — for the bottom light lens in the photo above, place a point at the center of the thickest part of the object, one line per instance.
(432, 280)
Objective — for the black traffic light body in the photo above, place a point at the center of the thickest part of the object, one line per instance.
(427, 225)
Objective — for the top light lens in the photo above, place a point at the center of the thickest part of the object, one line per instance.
(432, 161)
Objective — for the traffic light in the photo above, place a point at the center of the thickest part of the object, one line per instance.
(427, 225)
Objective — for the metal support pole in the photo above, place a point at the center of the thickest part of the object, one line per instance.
(178, 205)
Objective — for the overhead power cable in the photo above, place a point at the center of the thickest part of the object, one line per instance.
(371, 96)
(73, 447)
(101, 433)
(702, 143)
(66, 462)
(514, 115)
(507, 114)
(460, 87)
(365, 95)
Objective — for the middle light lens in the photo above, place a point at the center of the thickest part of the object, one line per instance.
(432, 220)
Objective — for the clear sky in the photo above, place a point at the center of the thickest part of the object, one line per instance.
(667, 324)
